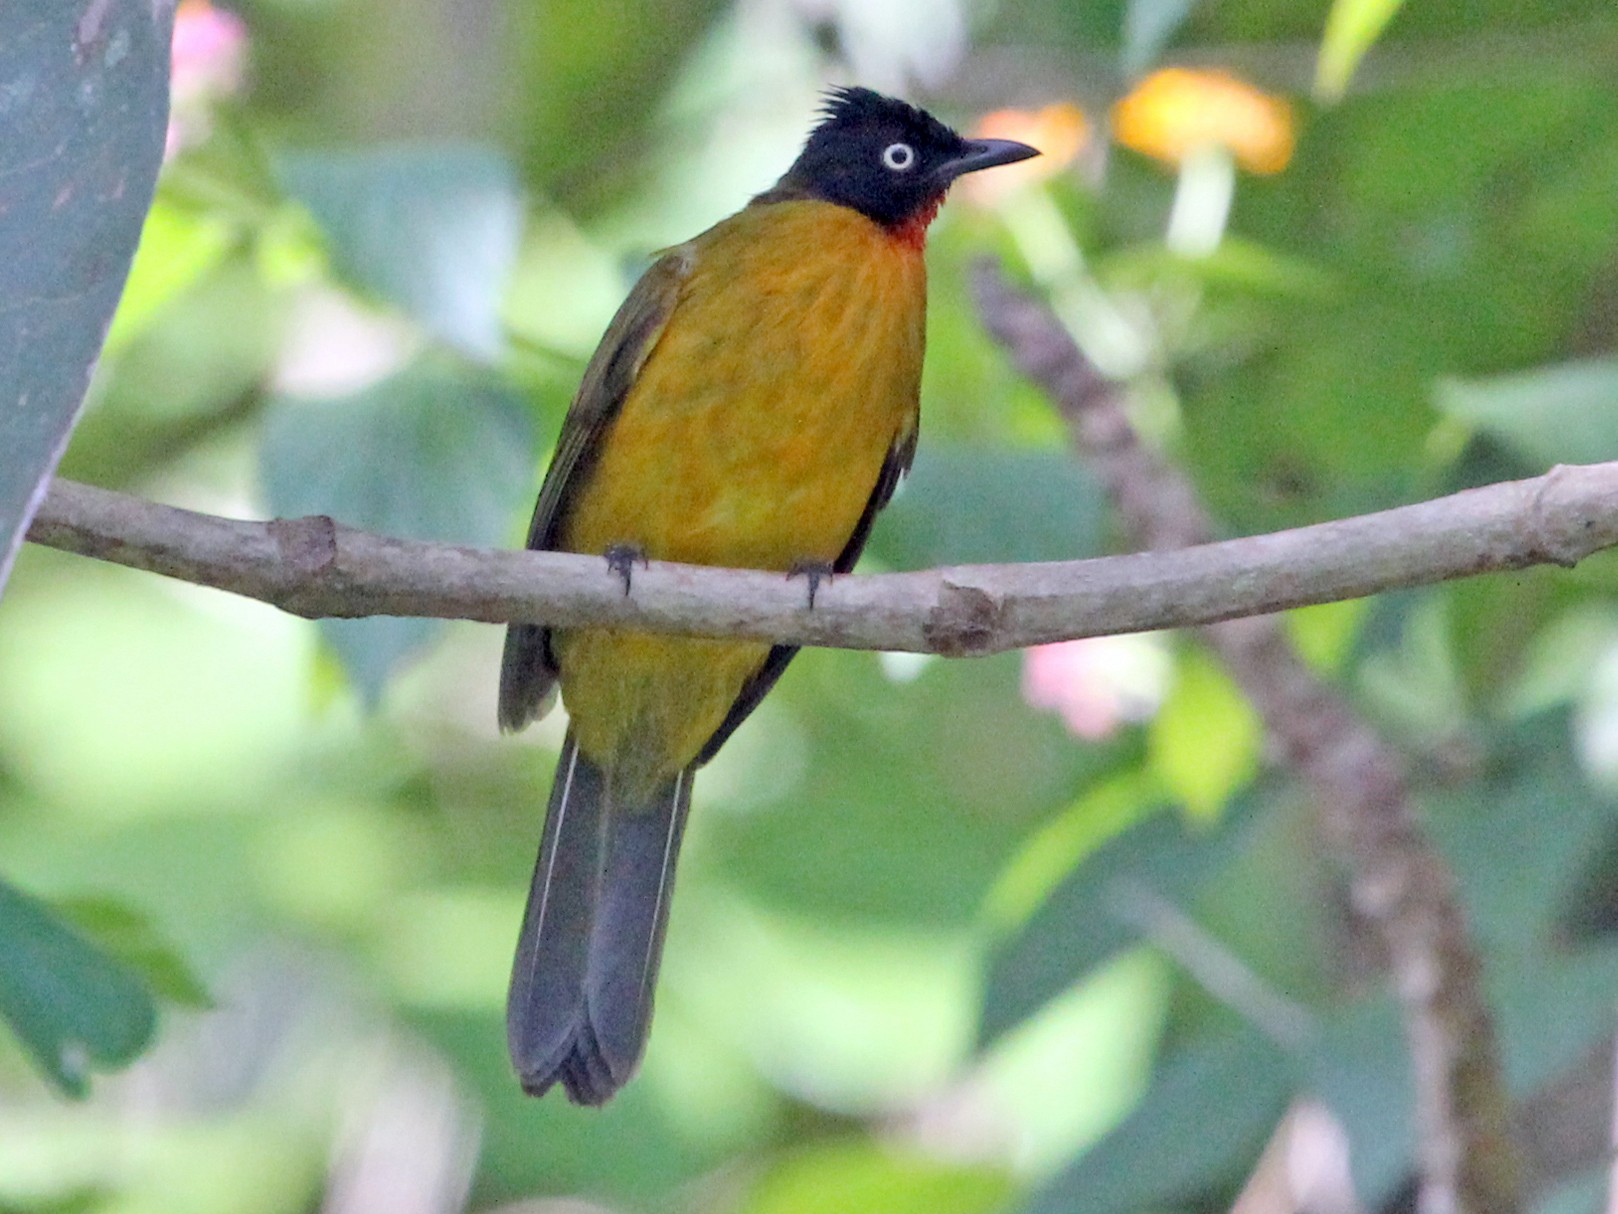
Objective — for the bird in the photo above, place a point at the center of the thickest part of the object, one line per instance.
(753, 404)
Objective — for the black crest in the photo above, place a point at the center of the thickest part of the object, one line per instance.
(884, 157)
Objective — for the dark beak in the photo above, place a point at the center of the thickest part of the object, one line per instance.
(983, 154)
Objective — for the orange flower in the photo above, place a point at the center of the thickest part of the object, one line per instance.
(1178, 111)
(1060, 132)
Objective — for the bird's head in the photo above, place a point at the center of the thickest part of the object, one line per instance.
(887, 159)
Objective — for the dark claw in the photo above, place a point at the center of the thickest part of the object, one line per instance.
(814, 572)
(621, 559)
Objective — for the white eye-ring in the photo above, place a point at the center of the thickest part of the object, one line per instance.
(898, 156)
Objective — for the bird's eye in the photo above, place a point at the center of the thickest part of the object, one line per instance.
(898, 156)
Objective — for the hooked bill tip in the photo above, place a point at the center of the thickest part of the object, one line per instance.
(979, 154)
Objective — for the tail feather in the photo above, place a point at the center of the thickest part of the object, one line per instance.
(547, 979)
(580, 1004)
(631, 917)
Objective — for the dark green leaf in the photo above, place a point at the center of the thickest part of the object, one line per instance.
(84, 108)
(1359, 1065)
(74, 1007)
(1197, 1129)
(132, 938)
(961, 506)
(1079, 925)
(435, 452)
(1519, 838)
(431, 229)
(1552, 1008)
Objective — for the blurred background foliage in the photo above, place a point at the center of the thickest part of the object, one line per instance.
(1035, 932)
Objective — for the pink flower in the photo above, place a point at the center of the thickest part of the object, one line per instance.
(206, 63)
(1098, 683)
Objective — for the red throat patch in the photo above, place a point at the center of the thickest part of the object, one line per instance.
(913, 231)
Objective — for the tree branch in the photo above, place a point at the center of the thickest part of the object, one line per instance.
(315, 567)
(1399, 882)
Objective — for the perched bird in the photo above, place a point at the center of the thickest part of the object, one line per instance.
(753, 404)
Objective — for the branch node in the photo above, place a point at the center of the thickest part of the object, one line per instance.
(1552, 535)
(964, 622)
(308, 550)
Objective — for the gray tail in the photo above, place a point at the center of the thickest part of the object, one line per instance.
(580, 1004)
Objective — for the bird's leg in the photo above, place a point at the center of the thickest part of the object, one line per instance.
(814, 572)
(621, 560)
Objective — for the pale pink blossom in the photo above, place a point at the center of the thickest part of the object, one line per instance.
(207, 62)
(1099, 683)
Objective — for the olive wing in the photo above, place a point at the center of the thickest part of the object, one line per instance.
(528, 669)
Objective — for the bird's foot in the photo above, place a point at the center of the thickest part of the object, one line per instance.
(622, 558)
(814, 572)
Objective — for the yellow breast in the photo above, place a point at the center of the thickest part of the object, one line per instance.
(758, 424)
(753, 436)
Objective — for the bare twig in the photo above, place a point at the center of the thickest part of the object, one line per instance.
(1205, 958)
(1399, 882)
(316, 567)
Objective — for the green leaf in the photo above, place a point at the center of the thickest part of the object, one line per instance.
(1564, 414)
(434, 452)
(84, 107)
(1359, 1065)
(969, 506)
(1581, 986)
(177, 246)
(1148, 26)
(133, 939)
(1352, 28)
(1197, 1129)
(952, 758)
(1239, 270)
(1205, 740)
(1079, 926)
(832, 1178)
(197, 369)
(87, 1200)
(432, 229)
(70, 1004)
(1521, 837)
